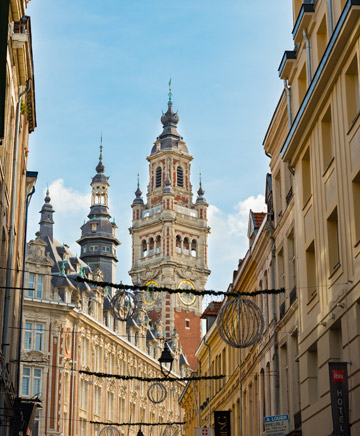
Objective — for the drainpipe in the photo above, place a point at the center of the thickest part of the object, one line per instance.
(208, 347)
(330, 15)
(72, 382)
(11, 251)
(276, 345)
(308, 58)
(28, 198)
(288, 98)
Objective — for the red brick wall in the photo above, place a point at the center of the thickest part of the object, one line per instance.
(190, 338)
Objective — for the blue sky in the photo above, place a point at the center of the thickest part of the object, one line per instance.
(104, 66)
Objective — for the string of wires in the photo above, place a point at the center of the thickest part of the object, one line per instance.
(123, 287)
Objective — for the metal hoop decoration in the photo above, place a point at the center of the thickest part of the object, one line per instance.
(171, 430)
(157, 393)
(123, 305)
(240, 323)
(109, 430)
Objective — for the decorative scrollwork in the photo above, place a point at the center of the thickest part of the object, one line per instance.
(123, 305)
(157, 393)
(240, 323)
(172, 430)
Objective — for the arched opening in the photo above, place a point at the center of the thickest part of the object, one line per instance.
(144, 248)
(178, 244)
(158, 245)
(180, 177)
(193, 248)
(151, 246)
(158, 177)
(186, 246)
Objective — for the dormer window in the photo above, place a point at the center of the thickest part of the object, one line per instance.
(180, 177)
(158, 178)
(93, 227)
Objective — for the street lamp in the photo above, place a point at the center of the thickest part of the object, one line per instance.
(166, 357)
(140, 433)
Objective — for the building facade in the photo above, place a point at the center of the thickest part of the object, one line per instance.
(309, 242)
(169, 238)
(69, 326)
(17, 121)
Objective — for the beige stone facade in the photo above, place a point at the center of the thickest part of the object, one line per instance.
(309, 243)
(67, 328)
(19, 120)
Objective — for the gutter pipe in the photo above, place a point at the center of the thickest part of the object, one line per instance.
(276, 344)
(308, 58)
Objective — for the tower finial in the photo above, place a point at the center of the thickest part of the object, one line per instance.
(170, 93)
(138, 181)
(101, 146)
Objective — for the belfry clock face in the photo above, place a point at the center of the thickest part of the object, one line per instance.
(150, 295)
(186, 297)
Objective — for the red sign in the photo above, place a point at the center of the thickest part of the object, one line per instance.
(338, 376)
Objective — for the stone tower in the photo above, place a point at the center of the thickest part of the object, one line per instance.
(47, 218)
(169, 238)
(98, 235)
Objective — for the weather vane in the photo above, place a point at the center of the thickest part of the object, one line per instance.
(170, 93)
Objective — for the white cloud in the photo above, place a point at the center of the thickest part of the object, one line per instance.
(228, 240)
(67, 200)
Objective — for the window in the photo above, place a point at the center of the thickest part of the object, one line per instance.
(306, 177)
(352, 92)
(278, 197)
(310, 270)
(31, 381)
(302, 85)
(333, 241)
(151, 246)
(144, 248)
(98, 400)
(186, 245)
(180, 177)
(158, 245)
(93, 248)
(158, 177)
(291, 263)
(34, 330)
(106, 249)
(356, 206)
(35, 430)
(83, 430)
(93, 227)
(321, 39)
(284, 379)
(313, 371)
(39, 286)
(193, 248)
(31, 284)
(178, 244)
(110, 404)
(187, 323)
(326, 140)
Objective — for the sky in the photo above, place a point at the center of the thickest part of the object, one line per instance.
(103, 67)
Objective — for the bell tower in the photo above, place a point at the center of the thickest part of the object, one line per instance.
(169, 238)
(98, 235)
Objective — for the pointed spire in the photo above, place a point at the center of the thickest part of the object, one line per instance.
(47, 220)
(100, 167)
(201, 192)
(138, 199)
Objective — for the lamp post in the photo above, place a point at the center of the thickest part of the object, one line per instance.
(166, 357)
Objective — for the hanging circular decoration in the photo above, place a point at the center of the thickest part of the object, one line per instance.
(171, 430)
(240, 323)
(157, 393)
(186, 297)
(150, 295)
(109, 430)
(123, 305)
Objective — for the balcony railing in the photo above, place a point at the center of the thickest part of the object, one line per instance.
(293, 295)
(149, 212)
(185, 211)
(282, 310)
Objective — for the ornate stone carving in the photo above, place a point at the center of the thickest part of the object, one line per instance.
(38, 356)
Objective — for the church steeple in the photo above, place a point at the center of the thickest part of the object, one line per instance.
(47, 219)
(98, 235)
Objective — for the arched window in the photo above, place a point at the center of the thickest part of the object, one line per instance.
(144, 248)
(180, 177)
(151, 246)
(186, 245)
(158, 178)
(193, 248)
(158, 245)
(178, 244)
